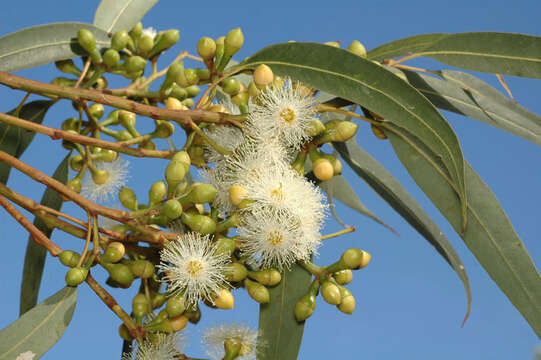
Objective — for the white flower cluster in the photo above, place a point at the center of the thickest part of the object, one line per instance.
(165, 347)
(215, 337)
(282, 220)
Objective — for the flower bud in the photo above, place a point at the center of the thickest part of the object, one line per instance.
(172, 209)
(267, 277)
(158, 300)
(164, 129)
(135, 64)
(304, 308)
(75, 184)
(76, 163)
(127, 198)
(100, 176)
(298, 164)
(200, 223)
(206, 48)
(120, 40)
(224, 300)
(347, 306)
(225, 245)
(183, 158)
(253, 91)
(145, 45)
(338, 131)
(120, 273)
(193, 315)
(76, 276)
(200, 193)
(257, 291)
(336, 164)
(233, 42)
(111, 58)
(175, 306)
(165, 41)
(263, 76)
(357, 48)
(70, 124)
(237, 193)
(114, 252)
(178, 323)
(86, 39)
(355, 258)
(192, 91)
(69, 258)
(142, 268)
(191, 77)
(343, 277)
(136, 32)
(323, 169)
(203, 74)
(378, 132)
(139, 310)
(235, 272)
(174, 173)
(232, 347)
(124, 333)
(61, 81)
(179, 93)
(331, 293)
(188, 102)
(230, 86)
(315, 127)
(67, 66)
(156, 193)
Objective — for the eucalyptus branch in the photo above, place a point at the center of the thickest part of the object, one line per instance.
(326, 108)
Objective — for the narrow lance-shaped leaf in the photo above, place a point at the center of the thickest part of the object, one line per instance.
(390, 189)
(343, 74)
(40, 328)
(280, 333)
(38, 45)
(493, 52)
(34, 259)
(489, 235)
(405, 46)
(15, 140)
(467, 95)
(114, 15)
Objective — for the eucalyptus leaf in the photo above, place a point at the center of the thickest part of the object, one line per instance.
(467, 95)
(280, 334)
(35, 256)
(405, 46)
(14, 140)
(390, 189)
(38, 45)
(40, 328)
(348, 76)
(114, 15)
(490, 236)
(493, 52)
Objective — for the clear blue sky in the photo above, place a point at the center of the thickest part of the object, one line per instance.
(409, 302)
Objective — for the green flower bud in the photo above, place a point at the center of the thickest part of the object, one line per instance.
(200, 223)
(336, 164)
(157, 192)
(101, 83)
(124, 333)
(145, 45)
(172, 103)
(142, 269)
(257, 291)
(172, 209)
(178, 323)
(331, 293)
(200, 193)
(230, 86)
(175, 306)
(202, 74)
(111, 58)
(263, 76)
(123, 135)
(206, 48)
(196, 153)
(60, 81)
(253, 91)
(193, 315)
(233, 42)
(120, 273)
(188, 102)
(75, 184)
(96, 111)
(357, 48)
(378, 132)
(112, 118)
(304, 308)
(127, 198)
(140, 298)
(267, 277)
(298, 164)
(107, 155)
(70, 124)
(135, 64)
(174, 173)
(178, 93)
(165, 41)
(235, 272)
(338, 131)
(322, 168)
(139, 310)
(68, 67)
(343, 277)
(224, 300)
(120, 40)
(126, 118)
(100, 176)
(86, 39)
(192, 91)
(164, 129)
(232, 221)
(191, 76)
(355, 258)
(237, 194)
(232, 347)
(347, 305)
(241, 98)
(76, 276)
(173, 72)
(76, 163)
(114, 252)
(136, 32)
(315, 127)
(69, 258)
(158, 300)
(225, 245)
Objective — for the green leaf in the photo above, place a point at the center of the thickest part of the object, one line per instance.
(343, 74)
(384, 184)
(34, 259)
(340, 189)
(40, 328)
(114, 15)
(14, 140)
(467, 95)
(405, 46)
(493, 52)
(280, 333)
(38, 45)
(489, 235)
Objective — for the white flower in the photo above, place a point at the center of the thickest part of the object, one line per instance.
(149, 31)
(277, 239)
(166, 347)
(284, 113)
(214, 338)
(27, 355)
(195, 271)
(117, 176)
(228, 137)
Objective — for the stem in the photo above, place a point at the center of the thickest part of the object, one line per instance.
(21, 104)
(76, 94)
(81, 139)
(327, 108)
(87, 241)
(83, 74)
(221, 150)
(338, 233)
(311, 267)
(35, 233)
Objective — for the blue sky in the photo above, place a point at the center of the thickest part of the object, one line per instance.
(410, 304)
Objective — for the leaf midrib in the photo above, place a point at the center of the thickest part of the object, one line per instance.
(115, 20)
(63, 42)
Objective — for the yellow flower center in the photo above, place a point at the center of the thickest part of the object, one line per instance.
(288, 115)
(194, 267)
(275, 238)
